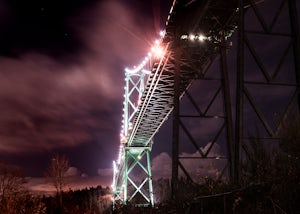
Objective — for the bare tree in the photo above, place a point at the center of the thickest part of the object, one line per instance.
(11, 183)
(56, 171)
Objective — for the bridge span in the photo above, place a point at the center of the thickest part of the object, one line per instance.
(189, 44)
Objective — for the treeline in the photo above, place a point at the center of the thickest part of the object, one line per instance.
(95, 200)
(14, 199)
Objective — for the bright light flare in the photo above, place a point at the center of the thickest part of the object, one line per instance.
(157, 51)
(162, 33)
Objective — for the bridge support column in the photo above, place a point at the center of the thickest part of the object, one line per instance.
(175, 138)
(239, 95)
(227, 104)
(150, 177)
(137, 160)
(125, 187)
(296, 42)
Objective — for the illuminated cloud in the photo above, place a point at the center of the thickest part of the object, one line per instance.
(162, 164)
(106, 172)
(49, 103)
(72, 171)
(42, 111)
(43, 185)
(40, 186)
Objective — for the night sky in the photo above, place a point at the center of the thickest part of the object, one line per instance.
(62, 82)
(62, 78)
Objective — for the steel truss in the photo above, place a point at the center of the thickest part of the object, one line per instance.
(259, 112)
(194, 62)
(236, 139)
(223, 131)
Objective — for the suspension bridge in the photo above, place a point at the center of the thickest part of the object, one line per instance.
(195, 34)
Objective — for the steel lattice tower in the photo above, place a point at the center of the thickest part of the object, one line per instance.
(132, 156)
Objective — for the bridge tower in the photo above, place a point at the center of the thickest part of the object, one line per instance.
(136, 159)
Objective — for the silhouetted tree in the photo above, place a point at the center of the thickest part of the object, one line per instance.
(258, 165)
(56, 171)
(10, 184)
(26, 203)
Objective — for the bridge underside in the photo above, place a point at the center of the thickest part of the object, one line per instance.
(196, 35)
(215, 20)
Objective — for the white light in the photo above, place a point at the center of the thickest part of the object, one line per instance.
(158, 51)
(192, 37)
(184, 37)
(146, 71)
(115, 167)
(162, 33)
(201, 38)
(139, 101)
(139, 157)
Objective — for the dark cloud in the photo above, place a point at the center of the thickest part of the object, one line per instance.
(62, 75)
